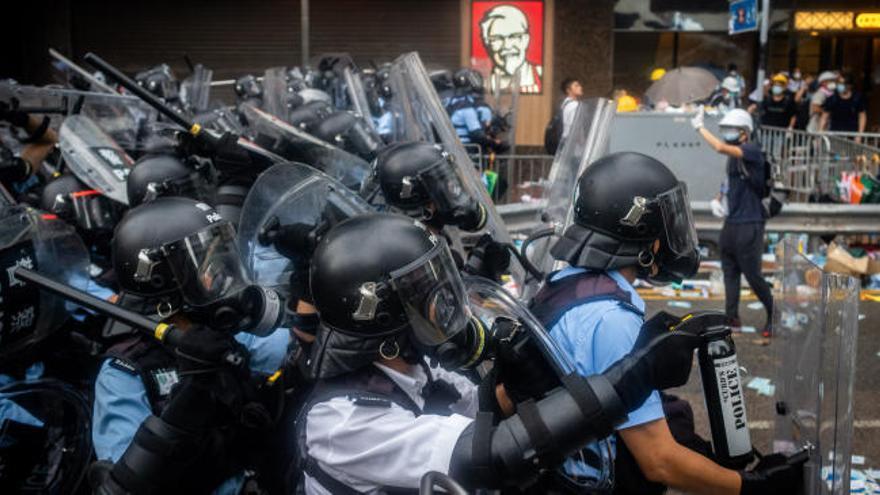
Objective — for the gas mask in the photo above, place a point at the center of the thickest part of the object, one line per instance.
(434, 299)
(452, 203)
(212, 282)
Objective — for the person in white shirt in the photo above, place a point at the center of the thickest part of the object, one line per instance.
(573, 91)
(381, 416)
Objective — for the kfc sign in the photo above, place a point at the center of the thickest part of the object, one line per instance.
(507, 38)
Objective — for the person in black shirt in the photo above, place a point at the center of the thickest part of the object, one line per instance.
(742, 237)
(778, 109)
(845, 110)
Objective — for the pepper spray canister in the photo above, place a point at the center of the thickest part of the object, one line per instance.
(725, 398)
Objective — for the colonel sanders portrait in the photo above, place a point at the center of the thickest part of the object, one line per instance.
(505, 33)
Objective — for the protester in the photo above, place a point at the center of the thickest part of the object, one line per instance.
(778, 109)
(742, 237)
(846, 110)
(827, 82)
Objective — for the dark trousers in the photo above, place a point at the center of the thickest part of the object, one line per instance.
(741, 247)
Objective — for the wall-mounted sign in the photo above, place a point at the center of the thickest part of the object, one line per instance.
(868, 20)
(743, 16)
(508, 38)
(823, 21)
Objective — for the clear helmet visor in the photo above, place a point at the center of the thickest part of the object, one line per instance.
(207, 265)
(433, 296)
(678, 220)
(445, 187)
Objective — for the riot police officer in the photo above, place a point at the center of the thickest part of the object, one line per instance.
(463, 111)
(380, 416)
(419, 179)
(163, 173)
(632, 219)
(175, 260)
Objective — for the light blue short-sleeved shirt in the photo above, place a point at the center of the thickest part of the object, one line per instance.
(595, 336)
(121, 403)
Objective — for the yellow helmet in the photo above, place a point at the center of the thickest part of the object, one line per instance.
(780, 78)
(658, 73)
(627, 103)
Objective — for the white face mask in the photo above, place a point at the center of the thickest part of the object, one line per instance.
(831, 86)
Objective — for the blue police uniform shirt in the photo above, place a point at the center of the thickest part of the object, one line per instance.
(9, 409)
(466, 120)
(121, 403)
(485, 114)
(595, 336)
(743, 201)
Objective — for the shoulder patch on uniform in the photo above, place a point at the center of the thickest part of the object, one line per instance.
(123, 365)
(370, 401)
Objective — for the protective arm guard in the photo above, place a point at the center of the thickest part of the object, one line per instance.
(539, 436)
(163, 447)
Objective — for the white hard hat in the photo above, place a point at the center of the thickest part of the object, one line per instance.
(737, 118)
(827, 76)
(731, 84)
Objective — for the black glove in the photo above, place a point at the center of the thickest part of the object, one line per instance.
(662, 362)
(300, 290)
(14, 117)
(12, 168)
(775, 473)
(488, 258)
(519, 363)
(201, 350)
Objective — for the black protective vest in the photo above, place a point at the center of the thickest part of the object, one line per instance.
(152, 363)
(368, 387)
(560, 296)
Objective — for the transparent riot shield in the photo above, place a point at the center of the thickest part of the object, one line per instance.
(504, 103)
(291, 143)
(43, 243)
(94, 157)
(275, 93)
(126, 119)
(290, 196)
(419, 116)
(586, 142)
(815, 325)
(195, 90)
(489, 301)
(45, 437)
(358, 96)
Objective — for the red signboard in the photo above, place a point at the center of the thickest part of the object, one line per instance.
(507, 38)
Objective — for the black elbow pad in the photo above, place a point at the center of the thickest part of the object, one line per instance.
(539, 436)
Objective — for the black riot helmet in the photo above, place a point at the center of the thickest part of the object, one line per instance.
(345, 130)
(631, 210)
(397, 293)
(182, 255)
(248, 88)
(309, 114)
(93, 214)
(160, 81)
(164, 174)
(467, 79)
(420, 179)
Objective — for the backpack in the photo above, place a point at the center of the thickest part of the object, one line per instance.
(773, 198)
(553, 131)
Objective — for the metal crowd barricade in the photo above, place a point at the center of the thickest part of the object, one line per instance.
(520, 177)
(815, 326)
(871, 139)
(810, 164)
